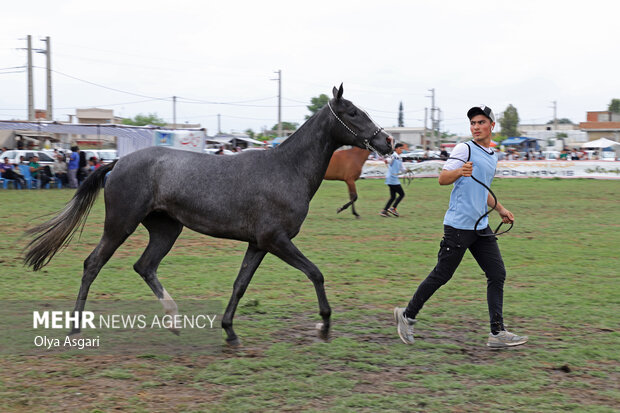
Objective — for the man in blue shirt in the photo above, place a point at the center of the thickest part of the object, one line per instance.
(73, 166)
(468, 202)
(395, 165)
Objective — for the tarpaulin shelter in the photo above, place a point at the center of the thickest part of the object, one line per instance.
(524, 143)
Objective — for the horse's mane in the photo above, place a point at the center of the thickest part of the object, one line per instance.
(308, 123)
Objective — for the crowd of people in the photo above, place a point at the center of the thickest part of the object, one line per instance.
(69, 169)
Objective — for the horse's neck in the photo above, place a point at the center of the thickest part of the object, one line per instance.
(309, 150)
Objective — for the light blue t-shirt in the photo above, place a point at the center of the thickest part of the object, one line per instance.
(395, 165)
(468, 200)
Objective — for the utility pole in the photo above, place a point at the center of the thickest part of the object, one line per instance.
(219, 129)
(174, 112)
(279, 79)
(433, 122)
(555, 115)
(425, 126)
(48, 68)
(30, 86)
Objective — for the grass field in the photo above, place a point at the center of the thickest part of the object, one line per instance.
(562, 290)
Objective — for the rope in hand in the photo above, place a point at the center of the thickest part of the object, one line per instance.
(496, 232)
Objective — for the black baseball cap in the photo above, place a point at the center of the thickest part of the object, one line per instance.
(481, 110)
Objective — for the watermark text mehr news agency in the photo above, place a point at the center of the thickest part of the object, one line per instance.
(72, 319)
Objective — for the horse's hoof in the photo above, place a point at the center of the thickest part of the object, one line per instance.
(322, 332)
(233, 342)
(357, 217)
(75, 332)
(175, 331)
(339, 210)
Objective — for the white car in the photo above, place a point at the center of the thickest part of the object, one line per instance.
(211, 151)
(45, 158)
(608, 156)
(104, 156)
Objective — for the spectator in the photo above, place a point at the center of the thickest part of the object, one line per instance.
(38, 172)
(73, 166)
(83, 167)
(60, 169)
(93, 164)
(8, 172)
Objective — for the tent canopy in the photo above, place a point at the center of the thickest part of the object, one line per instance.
(514, 140)
(599, 143)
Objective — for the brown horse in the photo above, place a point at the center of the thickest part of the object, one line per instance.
(346, 165)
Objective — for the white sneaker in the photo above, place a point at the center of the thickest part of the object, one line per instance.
(404, 325)
(505, 339)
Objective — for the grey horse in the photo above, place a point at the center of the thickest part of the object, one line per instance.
(259, 197)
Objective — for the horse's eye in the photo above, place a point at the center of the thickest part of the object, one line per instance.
(352, 114)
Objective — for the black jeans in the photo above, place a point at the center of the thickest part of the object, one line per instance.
(395, 189)
(452, 248)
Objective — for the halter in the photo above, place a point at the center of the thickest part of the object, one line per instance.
(494, 233)
(365, 140)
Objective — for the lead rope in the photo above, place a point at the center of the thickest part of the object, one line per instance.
(494, 233)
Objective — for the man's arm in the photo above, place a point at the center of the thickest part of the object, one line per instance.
(447, 177)
(507, 217)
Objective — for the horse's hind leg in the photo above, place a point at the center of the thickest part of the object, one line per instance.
(284, 249)
(163, 232)
(113, 236)
(352, 198)
(251, 261)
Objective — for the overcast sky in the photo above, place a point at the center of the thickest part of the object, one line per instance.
(133, 56)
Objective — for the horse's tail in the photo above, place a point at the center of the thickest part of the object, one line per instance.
(57, 233)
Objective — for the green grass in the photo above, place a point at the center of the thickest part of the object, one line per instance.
(562, 290)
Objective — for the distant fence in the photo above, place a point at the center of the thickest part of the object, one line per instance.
(512, 169)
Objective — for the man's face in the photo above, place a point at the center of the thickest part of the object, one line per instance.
(481, 127)
(399, 150)
(35, 159)
(6, 159)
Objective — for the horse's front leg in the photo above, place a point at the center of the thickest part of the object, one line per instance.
(251, 261)
(283, 248)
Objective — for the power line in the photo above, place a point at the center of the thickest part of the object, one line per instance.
(105, 87)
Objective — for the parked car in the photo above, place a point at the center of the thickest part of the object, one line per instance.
(14, 156)
(104, 156)
(211, 151)
(419, 155)
(551, 155)
(608, 156)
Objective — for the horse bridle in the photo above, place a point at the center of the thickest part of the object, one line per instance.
(496, 232)
(365, 140)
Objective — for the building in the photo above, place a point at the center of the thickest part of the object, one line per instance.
(556, 136)
(93, 116)
(601, 124)
(414, 137)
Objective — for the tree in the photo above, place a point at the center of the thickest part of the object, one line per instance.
(401, 116)
(143, 120)
(287, 126)
(510, 122)
(561, 121)
(614, 106)
(316, 103)
(250, 133)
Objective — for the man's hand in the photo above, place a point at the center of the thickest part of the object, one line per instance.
(467, 169)
(507, 217)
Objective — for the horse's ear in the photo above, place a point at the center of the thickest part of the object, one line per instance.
(338, 92)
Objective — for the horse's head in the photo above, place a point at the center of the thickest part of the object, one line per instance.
(354, 127)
